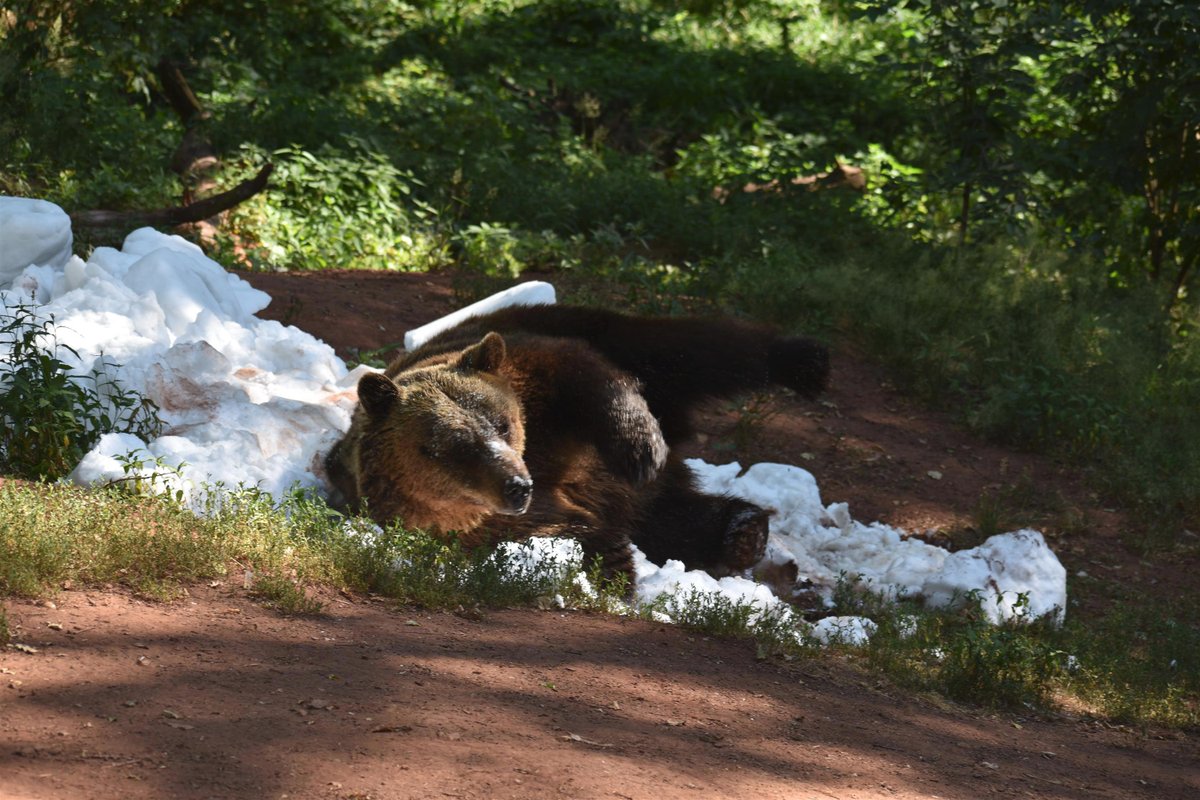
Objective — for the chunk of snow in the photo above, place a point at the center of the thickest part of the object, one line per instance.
(855, 631)
(31, 232)
(244, 401)
(529, 293)
(1014, 574)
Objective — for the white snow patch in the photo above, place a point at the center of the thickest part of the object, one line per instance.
(1015, 574)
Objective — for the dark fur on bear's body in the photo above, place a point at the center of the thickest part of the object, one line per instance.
(558, 420)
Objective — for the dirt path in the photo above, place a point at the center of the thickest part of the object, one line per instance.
(215, 696)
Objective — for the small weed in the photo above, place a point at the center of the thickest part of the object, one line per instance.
(143, 476)
(440, 573)
(5, 636)
(285, 595)
(379, 357)
(597, 592)
(754, 413)
(773, 628)
(958, 652)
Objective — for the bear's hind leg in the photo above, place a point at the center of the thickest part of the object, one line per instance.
(715, 533)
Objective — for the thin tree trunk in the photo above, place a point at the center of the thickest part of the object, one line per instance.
(964, 217)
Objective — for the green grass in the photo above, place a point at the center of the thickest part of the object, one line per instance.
(1134, 663)
(50, 534)
(1138, 662)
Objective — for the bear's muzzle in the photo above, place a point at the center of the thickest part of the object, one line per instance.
(518, 491)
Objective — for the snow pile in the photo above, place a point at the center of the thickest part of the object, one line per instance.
(252, 402)
(826, 544)
(245, 401)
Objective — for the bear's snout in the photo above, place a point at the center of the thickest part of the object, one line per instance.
(517, 493)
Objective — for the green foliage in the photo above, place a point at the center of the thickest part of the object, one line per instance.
(336, 208)
(773, 629)
(965, 64)
(1003, 666)
(67, 67)
(1135, 662)
(49, 416)
(433, 572)
(1031, 350)
(1132, 68)
(960, 653)
(50, 534)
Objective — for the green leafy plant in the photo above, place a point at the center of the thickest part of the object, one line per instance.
(1003, 666)
(145, 476)
(435, 572)
(773, 629)
(52, 415)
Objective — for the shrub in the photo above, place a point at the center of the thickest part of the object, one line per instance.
(52, 416)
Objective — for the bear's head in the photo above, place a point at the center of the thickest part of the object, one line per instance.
(442, 444)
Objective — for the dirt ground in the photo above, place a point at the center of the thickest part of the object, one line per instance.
(215, 696)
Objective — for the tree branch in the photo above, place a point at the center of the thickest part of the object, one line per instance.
(180, 215)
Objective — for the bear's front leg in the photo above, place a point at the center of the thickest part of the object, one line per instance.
(569, 390)
(633, 446)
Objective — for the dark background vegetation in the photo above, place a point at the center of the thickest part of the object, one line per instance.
(1024, 251)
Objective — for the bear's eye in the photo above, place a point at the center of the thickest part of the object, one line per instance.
(501, 428)
(426, 451)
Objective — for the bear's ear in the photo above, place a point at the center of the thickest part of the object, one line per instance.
(377, 394)
(487, 356)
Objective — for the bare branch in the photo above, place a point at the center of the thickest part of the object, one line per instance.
(180, 215)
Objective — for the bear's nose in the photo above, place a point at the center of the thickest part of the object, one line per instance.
(517, 492)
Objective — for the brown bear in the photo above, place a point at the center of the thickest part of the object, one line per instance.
(555, 420)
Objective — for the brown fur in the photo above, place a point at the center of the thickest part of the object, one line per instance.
(541, 430)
